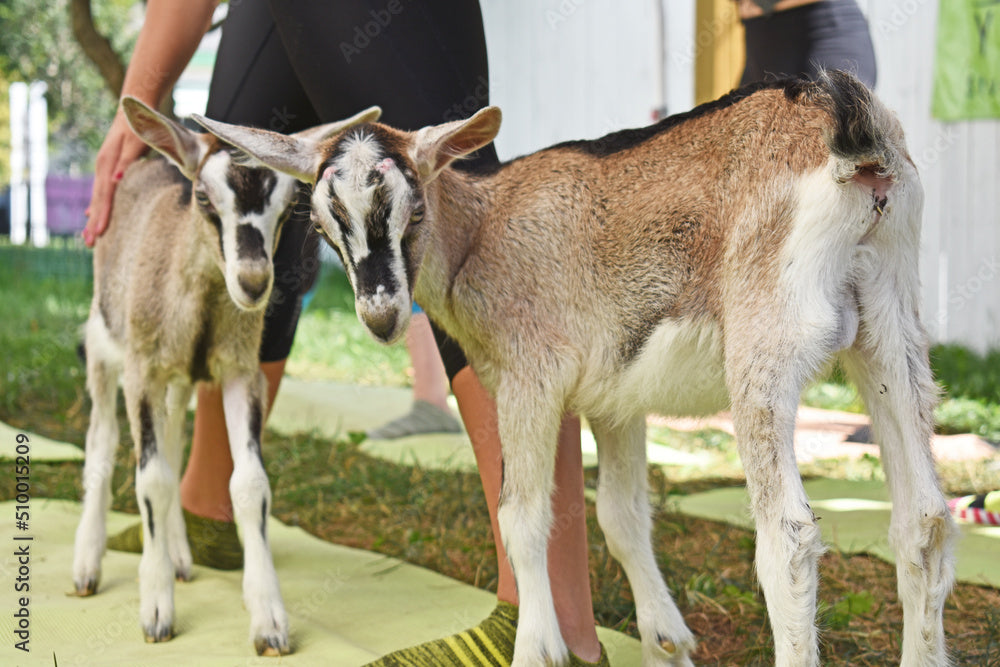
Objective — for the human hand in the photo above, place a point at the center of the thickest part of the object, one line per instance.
(121, 148)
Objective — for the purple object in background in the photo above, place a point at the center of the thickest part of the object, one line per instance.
(66, 199)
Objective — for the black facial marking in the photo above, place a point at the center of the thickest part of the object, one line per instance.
(184, 198)
(199, 358)
(340, 214)
(377, 221)
(375, 270)
(249, 242)
(252, 186)
(207, 210)
(147, 437)
(149, 515)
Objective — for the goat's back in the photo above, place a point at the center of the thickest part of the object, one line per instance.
(599, 243)
(145, 236)
(657, 211)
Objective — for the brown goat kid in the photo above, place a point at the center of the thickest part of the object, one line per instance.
(720, 257)
(181, 281)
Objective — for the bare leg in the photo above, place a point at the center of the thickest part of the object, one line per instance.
(430, 382)
(567, 554)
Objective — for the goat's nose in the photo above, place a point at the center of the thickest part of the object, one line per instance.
(382, 324)
(254, 286)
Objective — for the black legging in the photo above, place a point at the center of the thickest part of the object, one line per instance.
(286, 66)
(831, 34)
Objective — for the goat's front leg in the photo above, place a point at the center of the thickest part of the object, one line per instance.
(624, 514)
(178, 396)
(102, 440)
(529, 426)
(765, 386)
(243, 400)
(155, 491)
(889, 364)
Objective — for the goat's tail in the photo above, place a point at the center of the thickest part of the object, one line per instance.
(865, 134)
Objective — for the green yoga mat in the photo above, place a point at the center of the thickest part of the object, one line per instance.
(855, 515)
(346, 606)
(854, 518)
(39, 448)
(334, 409)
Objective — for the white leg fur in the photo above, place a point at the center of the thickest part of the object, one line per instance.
(178, 396)
(889, 364)
(624, 514)
(788, 540)
(251, 495)
(102, 441)
(155, 490)
(765, 391)
(525, 517)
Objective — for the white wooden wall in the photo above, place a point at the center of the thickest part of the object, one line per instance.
(573, 69)
(569, 69)
(960, 167)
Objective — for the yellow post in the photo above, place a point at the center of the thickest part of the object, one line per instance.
(719, 51)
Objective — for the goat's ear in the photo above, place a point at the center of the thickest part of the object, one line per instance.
(322, 132)
(435, 147)
(179, 144)
(279, 151)
(294, 154)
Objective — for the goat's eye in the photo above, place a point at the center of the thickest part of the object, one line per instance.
(417, 216)
(203, 201)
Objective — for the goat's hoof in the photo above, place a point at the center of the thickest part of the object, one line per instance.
(673, 652)
(183, 575)
(86, 588)
(158, 633)
(272, 645)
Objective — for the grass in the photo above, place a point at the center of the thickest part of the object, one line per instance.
(438, 520)
(970, 387)
(331, 344)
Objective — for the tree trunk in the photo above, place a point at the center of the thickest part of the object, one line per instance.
(96, 46)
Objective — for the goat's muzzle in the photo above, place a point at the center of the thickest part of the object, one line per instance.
(253, 286)
(383, 325)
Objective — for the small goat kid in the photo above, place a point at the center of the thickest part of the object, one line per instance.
(720, 256)
(181, 281)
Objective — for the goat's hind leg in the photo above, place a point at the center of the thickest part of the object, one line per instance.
(765, 382)
(102, 440)
(624, 514)
(890, 366)
(243, 400)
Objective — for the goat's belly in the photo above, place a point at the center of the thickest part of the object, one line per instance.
(679, 372)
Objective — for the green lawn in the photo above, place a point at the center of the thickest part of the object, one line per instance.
(438, 519)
